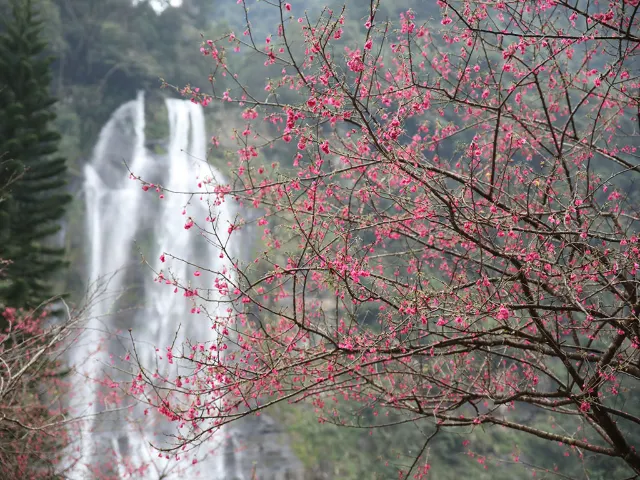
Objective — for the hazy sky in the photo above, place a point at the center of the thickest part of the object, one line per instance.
(160, 5)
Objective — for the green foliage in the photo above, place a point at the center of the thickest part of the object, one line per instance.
(107, 51)
(484, 454)
(36, 202)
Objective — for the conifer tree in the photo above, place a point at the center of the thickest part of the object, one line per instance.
(31, 211)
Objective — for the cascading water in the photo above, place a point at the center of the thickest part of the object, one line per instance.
(124, 222)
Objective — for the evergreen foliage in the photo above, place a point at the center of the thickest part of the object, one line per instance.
(35, 203)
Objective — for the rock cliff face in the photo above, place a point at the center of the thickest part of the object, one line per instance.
(262, 451)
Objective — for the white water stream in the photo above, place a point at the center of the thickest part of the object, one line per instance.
(123, 223)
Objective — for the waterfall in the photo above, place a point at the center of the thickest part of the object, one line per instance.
(123, 223)
(128, 228)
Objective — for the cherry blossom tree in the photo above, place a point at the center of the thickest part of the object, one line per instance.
(448, 223)
(33, 417)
